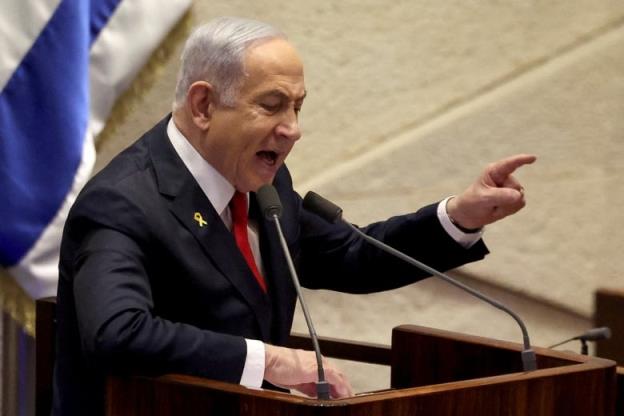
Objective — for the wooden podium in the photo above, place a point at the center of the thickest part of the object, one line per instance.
(433, 372)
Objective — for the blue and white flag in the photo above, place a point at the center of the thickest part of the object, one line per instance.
(63, 63)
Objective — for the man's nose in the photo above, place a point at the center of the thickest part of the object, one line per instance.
(289, 127)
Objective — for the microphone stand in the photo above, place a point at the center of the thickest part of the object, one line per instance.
(594, 334)
(322, 386)
(271, 206)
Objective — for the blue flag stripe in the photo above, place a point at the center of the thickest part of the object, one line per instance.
(43, 118)
(101, 11)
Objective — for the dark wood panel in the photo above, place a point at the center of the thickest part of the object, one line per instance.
(45, 327)
(423, 356)
(426, 357)
(567, 384)
(610, 312)
(17, 379)
(620, 391)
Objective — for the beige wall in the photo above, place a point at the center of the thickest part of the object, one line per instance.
(407, 102)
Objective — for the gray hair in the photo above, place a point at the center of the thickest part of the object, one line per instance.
(215, 53)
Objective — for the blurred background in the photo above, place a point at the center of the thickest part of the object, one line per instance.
(407, 102)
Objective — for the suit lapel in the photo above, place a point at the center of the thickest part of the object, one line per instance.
(194, 211)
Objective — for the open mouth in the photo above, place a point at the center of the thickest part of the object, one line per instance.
(268, 156)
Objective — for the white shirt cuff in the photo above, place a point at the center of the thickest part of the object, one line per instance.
(253, 372)
(466, 240)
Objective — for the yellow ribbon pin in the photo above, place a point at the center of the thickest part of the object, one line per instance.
(200, 220)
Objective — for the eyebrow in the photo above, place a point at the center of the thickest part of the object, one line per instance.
(282, 95)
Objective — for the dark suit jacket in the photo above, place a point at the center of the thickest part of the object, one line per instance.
(146, 288)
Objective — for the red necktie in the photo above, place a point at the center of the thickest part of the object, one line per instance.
(238, 207)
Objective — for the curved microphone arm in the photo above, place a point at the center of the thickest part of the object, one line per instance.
(529, 360)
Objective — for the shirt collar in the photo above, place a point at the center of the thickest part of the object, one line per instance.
(216, 188)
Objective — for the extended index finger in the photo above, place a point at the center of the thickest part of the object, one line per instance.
(500, 171)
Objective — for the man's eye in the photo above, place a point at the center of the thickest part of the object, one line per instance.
(270, 107)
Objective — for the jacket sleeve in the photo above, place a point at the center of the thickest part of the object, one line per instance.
(117, 324)
(334, 257)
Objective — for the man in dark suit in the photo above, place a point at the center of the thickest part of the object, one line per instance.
(163, 271)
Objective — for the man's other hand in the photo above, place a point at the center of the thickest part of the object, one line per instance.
(493, 196)
(297, 369)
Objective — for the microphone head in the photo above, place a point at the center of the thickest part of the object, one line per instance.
(322, 207)
(269, 202)
(596, 334)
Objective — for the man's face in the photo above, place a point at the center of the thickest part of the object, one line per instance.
(247, 143)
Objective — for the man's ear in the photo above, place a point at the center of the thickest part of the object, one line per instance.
(201, 100)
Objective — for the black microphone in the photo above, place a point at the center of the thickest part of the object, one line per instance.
(271, 207)
(594, 334)
(325, 209)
